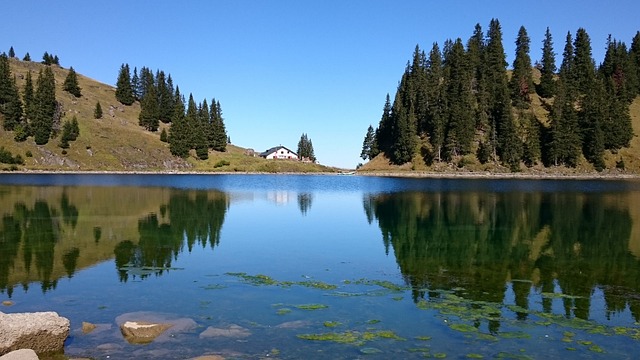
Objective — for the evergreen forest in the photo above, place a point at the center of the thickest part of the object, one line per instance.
(459, 104)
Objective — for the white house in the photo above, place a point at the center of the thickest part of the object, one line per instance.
(279, 152)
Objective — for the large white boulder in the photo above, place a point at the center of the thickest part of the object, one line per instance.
(43, 332)
(22, 354)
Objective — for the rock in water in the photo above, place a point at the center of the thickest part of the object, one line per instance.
(233, 331)
(43, 332)
(142, 332)
(88, 327)
(22, 354)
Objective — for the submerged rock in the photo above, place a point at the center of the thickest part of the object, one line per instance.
(88, 327)
(233, 331)
(142, 332)
(175, 324)
(22, 354)
(7, 303)
(44, 332)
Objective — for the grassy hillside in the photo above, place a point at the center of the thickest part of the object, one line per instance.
(116, 142)
(469, 163)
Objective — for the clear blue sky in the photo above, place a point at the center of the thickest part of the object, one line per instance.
(283, 68)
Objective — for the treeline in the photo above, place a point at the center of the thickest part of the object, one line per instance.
(193, 126)
(461, 101)
(35, 111)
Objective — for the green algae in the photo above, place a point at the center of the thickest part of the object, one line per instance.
(463, 327)
(373, 321)
(214, 287)
(259, 279)
(423, 338)
(440, 355)
(487, 337)
(514, 335)
(283, 311)
(370, 351)
(550, 295)
(332, 324)
(474, 356)
(596, 348)
(311, 307)
(317, 285)
(352, 337)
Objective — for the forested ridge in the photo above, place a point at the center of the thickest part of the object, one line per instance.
(460, 104)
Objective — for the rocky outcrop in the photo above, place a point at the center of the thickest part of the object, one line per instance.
(22, 354)
(142, 332)
(43, 332)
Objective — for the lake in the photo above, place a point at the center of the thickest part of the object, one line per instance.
(328, 267)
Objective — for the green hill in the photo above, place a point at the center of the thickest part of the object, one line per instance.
(116, 142)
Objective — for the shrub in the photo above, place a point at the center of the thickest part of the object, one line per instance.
(29, 154)
(221, 163)
(620, 164)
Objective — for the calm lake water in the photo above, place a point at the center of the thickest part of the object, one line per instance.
(328, 267)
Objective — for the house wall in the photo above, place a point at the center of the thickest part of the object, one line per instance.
(282, 154)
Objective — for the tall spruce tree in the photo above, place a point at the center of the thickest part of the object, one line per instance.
(149, 112)
(565, 144)
(385, 131)
(219, 138)
(124, 92)
(592, 113)
(135, 85)
(305, 148)
(12, 53)
(404, 141)
(26, 57)
(435, 120)
(521, 83)
(584, 68)
(546, 89)
(165, 98)
(71, 83)
(201, 129)
(45, 106)
(368, 144)
(502, 123)
(566, 70)
(10, 103)
(28, 97)
(460, 123)
(178, 132)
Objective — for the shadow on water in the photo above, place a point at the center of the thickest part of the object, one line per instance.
(489, 244)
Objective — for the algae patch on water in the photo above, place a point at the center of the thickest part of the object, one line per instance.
(352, 337)
(311, 306)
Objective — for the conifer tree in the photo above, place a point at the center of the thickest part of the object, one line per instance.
(531, 151)
(26, 57)
(592, 113)
(163, 135)
(305, 148)
(28, 97)
(521, 83)
(97, 113)
(460, 124)
(566, 67)
(45, 106)
(546, 88)
(178, 132)
(146, 81)
(149, 111)
(124, 92)
(165, 98)
(12, 53)
(502, 123)
(565, 145)
(71, 83)
(385, 131)
(584, 69)
(435, 120)
(368, 144)
(219, 138)
(135, 85)
(404, 141)
(10, 104)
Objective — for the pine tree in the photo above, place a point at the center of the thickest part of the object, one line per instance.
(593, 111)
(437, 103)
(26, 57)
(135, 85)
(521, 83)
(163, 135)
(66, 135)
(75, 128)
(28, 97)
(504, 137)
(546, 88)
(45, 106)
(12, 53)
(565, 146)
(146, 81)
(584, 69)
(10, 104)
(531, 151)
(404, 142)
(124, 92)
(385, 131)
(566, 67)
(47, 59)
(219, 131)
(460, 123)
(97, 113)
(178, 132)
(368, 144)
(71, 83)
(203, 129)
(305, 148)
(148, 117)
(165, 98)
